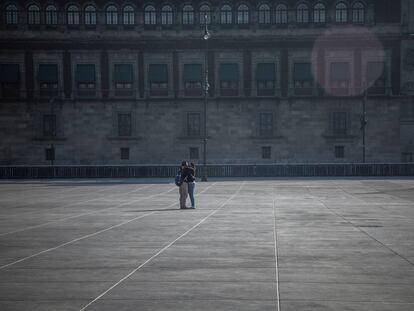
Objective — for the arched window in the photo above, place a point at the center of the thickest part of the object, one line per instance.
(90, 15)
(281, 14)
(12, 15)
(226, 16)
(33, 15)
(264, 14)
(358, 12)
(51, 15)
(242, 14)
(302, 13)
(188, 15)
(319, 13)
(111, 16)
(72, 15)
(341, 13)
(166, 15)
(149, 15)
(128, 15)
(205, 14)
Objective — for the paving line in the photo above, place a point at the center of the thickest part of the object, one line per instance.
(83, 214)
(276, 252)
(163, 249)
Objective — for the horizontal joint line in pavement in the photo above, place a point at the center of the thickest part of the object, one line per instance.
(162, 250)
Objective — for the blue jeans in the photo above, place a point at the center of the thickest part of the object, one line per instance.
(191, 187)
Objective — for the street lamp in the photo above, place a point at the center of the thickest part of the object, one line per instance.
(363, 120)
(206, 36)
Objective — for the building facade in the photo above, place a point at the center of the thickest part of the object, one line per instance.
(124, 82)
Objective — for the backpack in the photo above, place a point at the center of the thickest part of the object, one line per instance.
(178, 179)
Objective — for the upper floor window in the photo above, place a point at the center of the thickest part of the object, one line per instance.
(49, 125)
(111, 16)
(265, 124)
(128, 15)
(302, 78)
(149, 15)
(205, 15)
(188, 15)
(123, 79)
(264, 14)
(229, 79)
(124, 124)
(339, 123)
(193, 124)
(376, 78)
(193, 77)
(319, 13)
(242, 14)
(226, 15)
(340, 78)
(158, 79)
(51, 15)
(265, 77)
(358, 12)
(12, 15)
(341, 13)
(302, 13)
(48, 79)
(85, 76)
(90, 15)
(281, 14)
(72, 15)
(33, 15)
(9, 80)
(166, 15)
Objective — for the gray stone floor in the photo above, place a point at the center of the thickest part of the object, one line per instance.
(283, 244)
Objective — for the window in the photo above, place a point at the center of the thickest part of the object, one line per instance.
(407, 157)
(319, 13)
(72, 15)
(302, 13)
(49, 125)
(264, 14)
(242, 14)
(376, 78)
(266, 124)
(123, 79)
(10, 80)
(341, 13)
(226, 15)
(281, 14)
(265, 77)
(340, 78)
(124, 153)
(339, 123)
(48, 79)
(358, 12)
(339, 152)
(111, 16)
(90, 15)
(51, 15)
(85, 79)
(229, 79)
(50, 154)
(166, 15)
(266, 152)
(158, 79)
(188, 15)
(149, 15)
(33, 15)
(193, 124)
(128, 16)
(193, 78)
(124, 124)
(205, 15)
(194, 153)
(302, 79)
(12, 15)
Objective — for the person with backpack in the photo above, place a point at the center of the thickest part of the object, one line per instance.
(180, 179)
(191, 184)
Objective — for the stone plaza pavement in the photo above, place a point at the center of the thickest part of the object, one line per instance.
(254, 244)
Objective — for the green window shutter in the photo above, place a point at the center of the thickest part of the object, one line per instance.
(193, 72)
(229, 72)
(302, 72)
(340, 71)
(85, 73)
(48, 73)
(9, 73)
(265, 72)
(123, 73)
(158, 73)
(375, 70)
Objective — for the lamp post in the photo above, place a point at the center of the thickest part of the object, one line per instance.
(364, 121)
(206, 36)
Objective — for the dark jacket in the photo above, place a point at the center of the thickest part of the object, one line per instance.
(188, 174)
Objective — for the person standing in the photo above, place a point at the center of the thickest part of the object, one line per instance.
(183, 189)
(191, 183)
